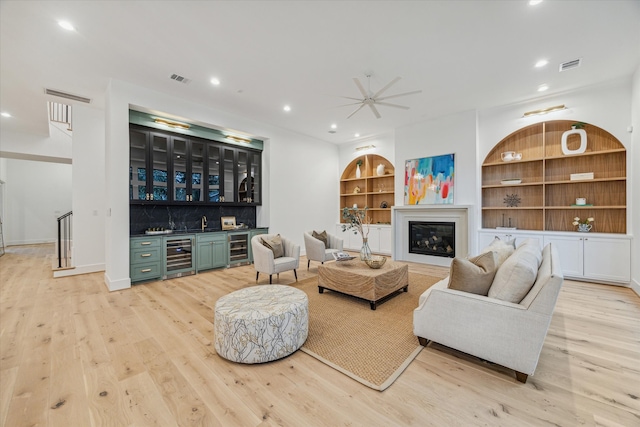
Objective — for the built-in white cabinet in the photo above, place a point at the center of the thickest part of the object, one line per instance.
(379, 239)
(587, 256)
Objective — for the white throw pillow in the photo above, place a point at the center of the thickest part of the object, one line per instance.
(502, 248)
(516, 275)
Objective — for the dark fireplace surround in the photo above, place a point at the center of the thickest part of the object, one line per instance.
(432, 238)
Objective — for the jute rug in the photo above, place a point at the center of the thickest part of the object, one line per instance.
(370, 346)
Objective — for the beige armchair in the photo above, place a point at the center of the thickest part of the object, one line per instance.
(316, 250)
(265, 261)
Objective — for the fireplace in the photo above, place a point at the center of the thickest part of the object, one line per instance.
(432, 238)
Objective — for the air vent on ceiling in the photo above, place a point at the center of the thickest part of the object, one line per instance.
(570, 64)
(180, 78)
(60, 94)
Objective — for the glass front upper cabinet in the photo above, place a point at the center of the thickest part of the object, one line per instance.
(148, 177)
(228, 188)
(213, 168)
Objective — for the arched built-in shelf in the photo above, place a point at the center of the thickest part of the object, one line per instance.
(547, 193)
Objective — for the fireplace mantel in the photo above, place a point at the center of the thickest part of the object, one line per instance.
(461, 215)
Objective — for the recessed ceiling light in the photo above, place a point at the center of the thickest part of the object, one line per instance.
(5, 114)
(66, 25)
(287, 108)
(334, 126)
(542, 88)
(541, 63)
(357, 135)
(215, 81)
(534, 2)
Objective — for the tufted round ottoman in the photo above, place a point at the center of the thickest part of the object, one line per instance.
(261, 323)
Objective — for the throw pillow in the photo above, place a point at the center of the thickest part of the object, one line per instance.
(502, 248)
(473, 275)
(322, 237)
(516, 275)
(275, 244)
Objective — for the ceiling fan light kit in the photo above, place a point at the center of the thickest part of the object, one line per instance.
(371, 99)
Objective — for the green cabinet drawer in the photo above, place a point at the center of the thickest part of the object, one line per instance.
(145, 242)
(145, 255)
(146, 271)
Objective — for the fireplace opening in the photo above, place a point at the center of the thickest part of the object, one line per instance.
(432, 238)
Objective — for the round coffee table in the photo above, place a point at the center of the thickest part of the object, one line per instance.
(261, 323)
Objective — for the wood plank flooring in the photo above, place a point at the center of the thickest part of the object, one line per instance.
(74, 354)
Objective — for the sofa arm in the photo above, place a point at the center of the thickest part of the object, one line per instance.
(262, 257)
(314, 248)
(334, 242)
(495, 330)
(291, 250)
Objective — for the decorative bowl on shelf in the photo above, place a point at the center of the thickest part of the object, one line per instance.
(511, 181)
(375, 261)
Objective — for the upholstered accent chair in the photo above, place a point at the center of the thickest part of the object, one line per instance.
(273, 254)
(316, 249)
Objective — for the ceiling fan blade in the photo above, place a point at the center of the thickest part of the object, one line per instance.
(391, 83)
(360, 87)
(349, 97)
(375, 110)
(351, 103)
(386, 104)
(357, 109)
(400, 94)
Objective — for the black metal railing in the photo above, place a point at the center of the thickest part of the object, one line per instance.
(64, 239)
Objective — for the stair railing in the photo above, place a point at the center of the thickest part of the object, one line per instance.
(64, 239)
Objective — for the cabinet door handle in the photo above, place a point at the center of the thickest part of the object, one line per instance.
(145, 255)
(145, 270)
(145, 243)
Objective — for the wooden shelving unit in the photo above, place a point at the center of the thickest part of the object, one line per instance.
(546, 191)
(374, 189)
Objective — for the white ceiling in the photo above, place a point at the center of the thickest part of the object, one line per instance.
(461, 54)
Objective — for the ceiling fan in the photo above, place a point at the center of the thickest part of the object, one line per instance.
(372, 99)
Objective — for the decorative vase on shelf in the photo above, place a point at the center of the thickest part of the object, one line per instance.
(365, 252)
(584, 228)
(380, 170)
(357, 171)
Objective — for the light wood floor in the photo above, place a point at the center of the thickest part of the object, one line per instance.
(73, 354)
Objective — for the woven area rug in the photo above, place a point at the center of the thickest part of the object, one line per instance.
(370, 346)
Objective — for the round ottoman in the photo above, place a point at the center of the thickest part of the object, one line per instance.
(261, 323)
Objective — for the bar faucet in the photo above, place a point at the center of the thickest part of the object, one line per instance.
(203, 222)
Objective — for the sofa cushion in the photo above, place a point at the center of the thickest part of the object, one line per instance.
(473, 275)
(321, 236)
(502, 248)
(275, 244)
(516, 275)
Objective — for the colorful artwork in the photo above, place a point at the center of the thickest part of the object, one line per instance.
(429, 181)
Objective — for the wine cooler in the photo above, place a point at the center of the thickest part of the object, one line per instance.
(239, 248)
(179, 257)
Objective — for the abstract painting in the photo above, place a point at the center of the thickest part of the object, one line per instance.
(429, 180)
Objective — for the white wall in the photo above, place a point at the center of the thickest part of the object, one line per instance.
(634, 177)
(88, 190)
(36, 193)
(300, 173)
(384, 146)
(455, 133)
(56, 148)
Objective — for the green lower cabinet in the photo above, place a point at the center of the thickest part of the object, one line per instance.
(211, 251)
(145, 262)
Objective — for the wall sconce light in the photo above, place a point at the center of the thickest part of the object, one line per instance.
(365, 147)
(172, 124)
(239, 139)
(544, 111)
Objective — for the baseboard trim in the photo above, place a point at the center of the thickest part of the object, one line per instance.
(79, 269)
(116, 285)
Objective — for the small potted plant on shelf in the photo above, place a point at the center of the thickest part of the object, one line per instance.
(358, 164)
(583, 225)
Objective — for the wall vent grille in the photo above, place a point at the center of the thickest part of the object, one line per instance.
(180, 79)
(569, 65)
(66, 95)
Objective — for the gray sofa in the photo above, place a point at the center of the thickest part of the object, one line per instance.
(510, 334)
